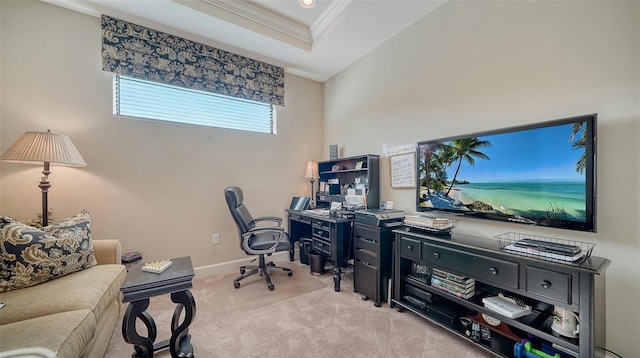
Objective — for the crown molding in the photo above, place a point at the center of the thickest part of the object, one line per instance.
(253, 17)
(250, 15)
(330, 19)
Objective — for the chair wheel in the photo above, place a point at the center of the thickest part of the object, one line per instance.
(271, 287)
(242, 271)
(236, 284)
(364, 298)
(289, 274)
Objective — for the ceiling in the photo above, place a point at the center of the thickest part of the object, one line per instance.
(314, 43)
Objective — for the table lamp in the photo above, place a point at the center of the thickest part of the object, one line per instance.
(312, 175)
(48, 148)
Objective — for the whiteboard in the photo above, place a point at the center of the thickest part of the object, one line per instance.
(403, 170)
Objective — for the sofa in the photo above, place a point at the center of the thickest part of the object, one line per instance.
(70, 316)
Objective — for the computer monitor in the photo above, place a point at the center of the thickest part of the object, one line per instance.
(299, 203)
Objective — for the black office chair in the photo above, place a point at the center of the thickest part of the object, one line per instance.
(256, 240)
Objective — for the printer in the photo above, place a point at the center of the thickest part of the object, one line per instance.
(380, 217)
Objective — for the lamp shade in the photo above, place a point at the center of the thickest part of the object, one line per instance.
(41, 147)
(312, 170)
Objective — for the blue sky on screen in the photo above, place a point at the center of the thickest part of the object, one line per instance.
(531, 155)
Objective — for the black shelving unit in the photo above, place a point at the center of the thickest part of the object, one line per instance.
(363, 169)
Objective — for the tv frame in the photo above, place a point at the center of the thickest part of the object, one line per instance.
(590, 175)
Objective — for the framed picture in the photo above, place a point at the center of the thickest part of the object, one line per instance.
(403, 170)
(333, 151)
(359, 164)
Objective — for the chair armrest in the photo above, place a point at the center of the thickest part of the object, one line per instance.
(276, 230)
(269, 218)
(264, 228)
(107, 251)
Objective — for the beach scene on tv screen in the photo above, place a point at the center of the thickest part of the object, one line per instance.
(528, 176)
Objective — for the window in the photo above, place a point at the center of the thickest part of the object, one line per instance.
(151, 100)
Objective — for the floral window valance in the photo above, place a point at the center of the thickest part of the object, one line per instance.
(136, 51)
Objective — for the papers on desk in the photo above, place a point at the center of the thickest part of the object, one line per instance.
(355, 202)
(323, 212)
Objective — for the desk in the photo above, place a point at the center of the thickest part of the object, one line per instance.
(138, 287)
(331, 237)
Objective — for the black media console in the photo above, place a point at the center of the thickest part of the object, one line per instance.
(540, 284)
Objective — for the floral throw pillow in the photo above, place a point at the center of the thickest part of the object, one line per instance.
(31, 256)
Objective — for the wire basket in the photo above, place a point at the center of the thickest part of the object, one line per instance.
(430, 223)
(569, 252)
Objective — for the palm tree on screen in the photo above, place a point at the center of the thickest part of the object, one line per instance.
(467, 149)
(441, 157)
(581, 164)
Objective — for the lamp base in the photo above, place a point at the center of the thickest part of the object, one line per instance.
(312, 202)
(44, 187)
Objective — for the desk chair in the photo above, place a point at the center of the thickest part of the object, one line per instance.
(256, 240)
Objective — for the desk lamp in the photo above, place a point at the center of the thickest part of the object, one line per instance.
(312, 175)
(48, 148)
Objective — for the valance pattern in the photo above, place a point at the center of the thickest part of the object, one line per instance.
(136, 51)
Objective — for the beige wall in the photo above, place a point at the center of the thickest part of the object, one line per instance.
(470, 66)
(475, 66)
(157, 187)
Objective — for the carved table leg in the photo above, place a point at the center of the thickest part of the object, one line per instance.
(143, 346)
(180, 342)
(336, 278)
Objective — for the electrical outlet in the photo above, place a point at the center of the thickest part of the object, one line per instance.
(215, 239)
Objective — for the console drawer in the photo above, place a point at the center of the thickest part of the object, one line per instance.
(321, 233)
(321, 224)
(366, 243)
(300, 218)
(321, 246)
(364, 279)
(550, 284)
(367, 256)
(367, 237)
(410, 248)
(473, 265)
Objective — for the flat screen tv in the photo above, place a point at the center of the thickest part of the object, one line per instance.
(540, 174)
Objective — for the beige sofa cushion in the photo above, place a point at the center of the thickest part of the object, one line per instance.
(66, 333)
(92, 289)
(104, 332)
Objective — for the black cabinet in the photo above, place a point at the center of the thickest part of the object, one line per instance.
(337, 175)
(373, 248)
(542, 285)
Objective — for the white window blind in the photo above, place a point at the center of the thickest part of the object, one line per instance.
(151, 100)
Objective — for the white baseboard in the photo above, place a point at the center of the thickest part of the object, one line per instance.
(234, 266)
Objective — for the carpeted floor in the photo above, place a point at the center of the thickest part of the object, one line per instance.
(302, 317)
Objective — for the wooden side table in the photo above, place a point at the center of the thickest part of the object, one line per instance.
(138, 287)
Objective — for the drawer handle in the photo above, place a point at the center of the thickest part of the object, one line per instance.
(493, 270)
(545, 284)
(436, 255)
(409, 247)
